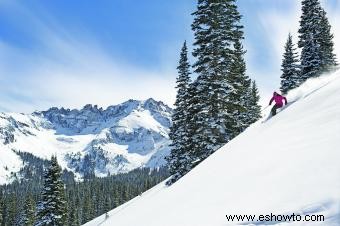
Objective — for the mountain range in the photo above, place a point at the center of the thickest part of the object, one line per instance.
(90, 141)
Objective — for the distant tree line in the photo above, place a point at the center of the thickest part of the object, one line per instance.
(57, 199)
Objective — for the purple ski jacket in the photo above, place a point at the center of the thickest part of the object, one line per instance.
(278, 99)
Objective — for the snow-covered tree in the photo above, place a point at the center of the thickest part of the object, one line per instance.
(310, 60)
(217, 29)
(193, 144)
(254, 107)
(215, 107)
(309, 33)
(51, 209)
(328, 57)
(315, 39)
(290, 77)
(210, 52)
(210, 66)
(178, 158)
(237, 104)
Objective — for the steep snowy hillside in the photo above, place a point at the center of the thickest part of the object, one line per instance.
(88, 141)
(287, 165)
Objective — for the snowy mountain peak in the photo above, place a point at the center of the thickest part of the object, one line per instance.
(91, 119)
(90, 140)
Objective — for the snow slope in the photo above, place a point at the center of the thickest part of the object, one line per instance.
(289, 164)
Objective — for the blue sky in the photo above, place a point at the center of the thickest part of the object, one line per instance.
(70, 53)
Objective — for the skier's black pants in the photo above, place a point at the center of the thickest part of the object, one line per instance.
(275, 107)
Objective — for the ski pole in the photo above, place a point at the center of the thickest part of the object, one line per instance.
(265, 108)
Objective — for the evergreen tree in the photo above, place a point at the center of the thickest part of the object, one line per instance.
(309, 42)
(178, 158)
(73, 219)
(107, 205)
(28, 217)
(88, 209)
(254, 107)
(1, 208)
(290, 77)
(217, 32)
(328, 58)
(192, 145)
(315, 40)
(210, 52)
(238, 101)
(11, 210)
(51, 209)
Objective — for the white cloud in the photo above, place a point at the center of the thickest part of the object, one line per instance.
(278, 23)
(70, 71)
(85, 76)
(334, 19)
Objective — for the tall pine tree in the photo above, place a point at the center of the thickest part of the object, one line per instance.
(309, 39)
(315, 39)
(238, 101)
(290, 77)
(210, 67)
(179, 134)
(328, 57)
(51, 209)
(217, 102)
(254, 109)
(193, 144)
(217, 32)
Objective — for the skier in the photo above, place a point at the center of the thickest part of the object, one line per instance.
(278, 102)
